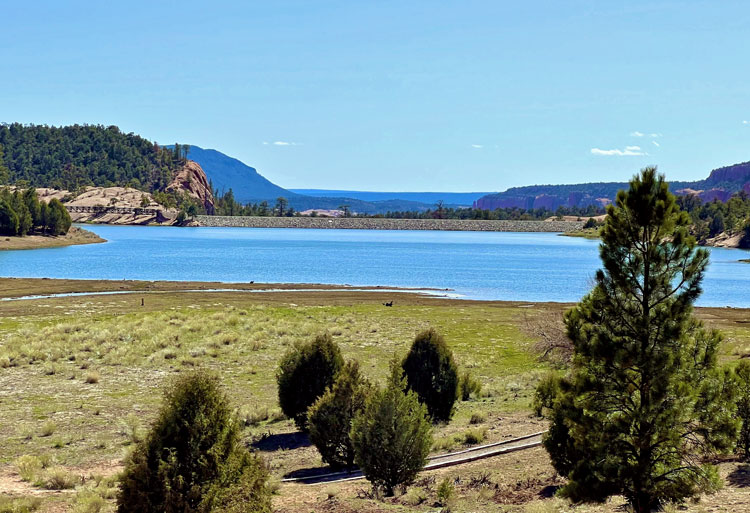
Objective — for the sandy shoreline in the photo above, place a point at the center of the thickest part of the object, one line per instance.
(74, 237)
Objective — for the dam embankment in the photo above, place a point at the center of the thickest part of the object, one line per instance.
(359, 223)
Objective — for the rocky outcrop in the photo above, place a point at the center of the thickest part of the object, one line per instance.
(192, 180)
(111, 205)
(735, 173)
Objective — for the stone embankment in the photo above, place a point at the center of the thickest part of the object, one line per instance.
(356, 223)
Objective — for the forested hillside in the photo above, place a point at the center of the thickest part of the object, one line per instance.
(75, 156)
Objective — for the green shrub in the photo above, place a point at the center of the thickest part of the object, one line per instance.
(244, 489)
(545, 394)
(28, 467)
(391, 436)
(477, 418)
(191, 456)
(472, 436)
(742, 380)
(48, 428)
(88, 501)
(25, 505)
(468, 386)
(304, 374)
(445, 491)
(431, 372)
(415, 497)
(329, 420)
(58, 478)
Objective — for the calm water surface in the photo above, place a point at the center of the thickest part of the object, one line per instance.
(477, 265)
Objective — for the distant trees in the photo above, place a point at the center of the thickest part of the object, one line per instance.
(643, 400)
(432, 374)
(712, 218)
(392, 436)
(439, 209)
(716, 226)
(22, 213)
(304, 374)
(281, 203)
(192, 459)
(329, 419)
(4, 171)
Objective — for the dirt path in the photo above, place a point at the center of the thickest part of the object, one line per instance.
(439, 461)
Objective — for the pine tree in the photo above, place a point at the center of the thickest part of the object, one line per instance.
(392, 435)
(192, 459)
(742, 378)
(432, 373)
(329, 420)
(304, 373)
(644, 399)
(8, 219)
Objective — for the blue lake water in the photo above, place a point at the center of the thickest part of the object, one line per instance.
(476, 265)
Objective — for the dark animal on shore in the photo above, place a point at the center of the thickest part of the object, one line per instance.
(390, 303)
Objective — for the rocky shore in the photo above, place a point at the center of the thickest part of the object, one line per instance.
(355, 223)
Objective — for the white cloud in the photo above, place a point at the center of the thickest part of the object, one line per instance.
(281, 143)
(746, 122)
(629, 151)
(477, 146)
(656, 144)
(653, 135)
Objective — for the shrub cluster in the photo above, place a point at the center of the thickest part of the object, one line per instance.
(386, 432)
(21, 213)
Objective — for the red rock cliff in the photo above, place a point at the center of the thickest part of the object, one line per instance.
(192, 180)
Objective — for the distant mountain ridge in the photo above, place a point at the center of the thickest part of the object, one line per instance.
(720, 185)
(249, 186)
(463, 199)
(226, 173)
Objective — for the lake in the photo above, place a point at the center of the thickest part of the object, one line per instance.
(476, 265)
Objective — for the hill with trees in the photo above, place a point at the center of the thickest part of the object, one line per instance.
(72, 157)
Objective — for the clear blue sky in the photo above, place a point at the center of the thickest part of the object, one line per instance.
(398, 95)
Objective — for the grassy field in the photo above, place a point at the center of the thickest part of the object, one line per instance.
(81, 378)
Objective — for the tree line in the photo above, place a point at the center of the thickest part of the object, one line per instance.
(227, 205)
(22, 213)
(73, 157)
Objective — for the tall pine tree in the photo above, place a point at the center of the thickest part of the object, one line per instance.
(644, 401)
